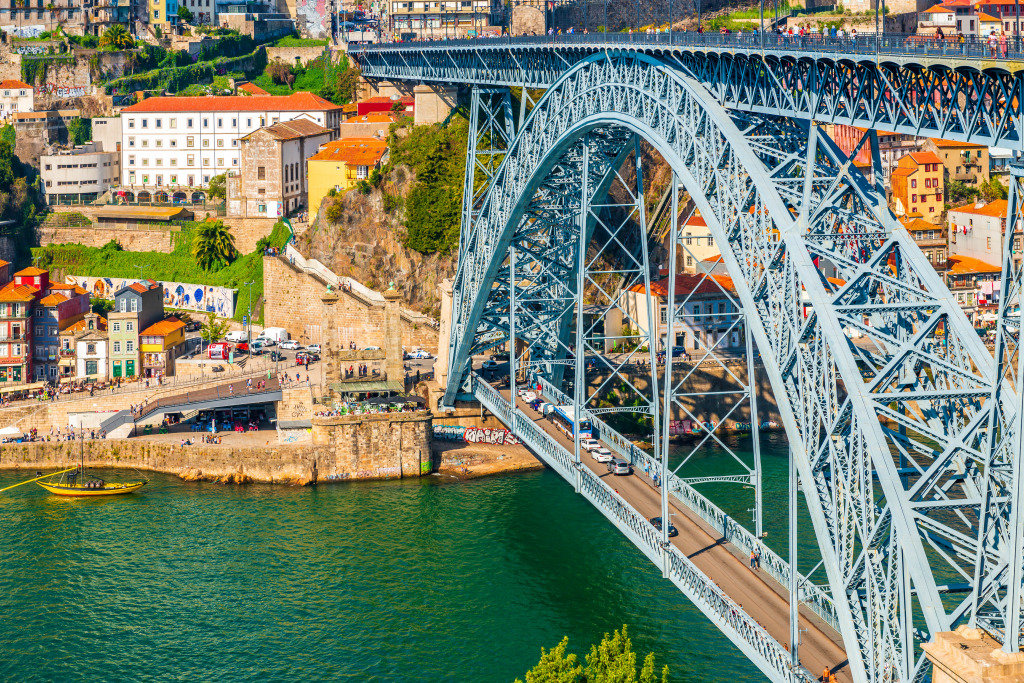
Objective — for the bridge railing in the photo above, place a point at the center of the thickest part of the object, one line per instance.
(732, 531)
(728, 615)
(889, 44)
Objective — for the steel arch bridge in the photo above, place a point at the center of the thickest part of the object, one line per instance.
(905, 440)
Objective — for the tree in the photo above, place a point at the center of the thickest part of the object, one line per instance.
(212, 329)
(958, 192)
(102, 306)
(218, 186)
(117, 37)
(993, 190)
(612, 661)
(79, 131)
(185, 14)
(213, 246)
(281, 73)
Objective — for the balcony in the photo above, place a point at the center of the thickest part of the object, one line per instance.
(67, 353)
(12, 337)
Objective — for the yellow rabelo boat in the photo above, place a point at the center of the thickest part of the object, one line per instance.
(74, 482)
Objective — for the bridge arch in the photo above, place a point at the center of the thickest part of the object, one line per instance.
(927, 375)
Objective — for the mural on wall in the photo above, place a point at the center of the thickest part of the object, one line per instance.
(473, 434)
(32, 31)
(313, 18)
(190, 297)
(60, 90)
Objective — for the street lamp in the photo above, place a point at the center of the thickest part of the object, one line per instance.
(141, 268)
(248, 327)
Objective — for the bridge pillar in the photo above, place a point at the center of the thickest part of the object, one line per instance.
(969, 655)
(445, 291)
(393, 365)
(434, 103)
(369, 89)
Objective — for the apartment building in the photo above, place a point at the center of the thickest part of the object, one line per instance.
(79, 175)
(16, 96)
(161, 343)
(136, 307)
(963, 161)
(976, 230)
(83, 348)
(441, 19)
(917, 186)
(930, 238)
(272, 179)
(173, 143)
(53, 313)
(341, 164)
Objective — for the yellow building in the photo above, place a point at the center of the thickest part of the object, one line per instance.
(160, 344)
(340, 164)
(917, 187)
(163, 13)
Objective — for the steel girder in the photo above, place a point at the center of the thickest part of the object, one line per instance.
(937, 98)
(889, 429)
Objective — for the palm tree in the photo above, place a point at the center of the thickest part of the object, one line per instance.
(213, 246)
(117, 37)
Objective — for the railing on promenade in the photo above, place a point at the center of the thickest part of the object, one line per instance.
(732, 531)
(742, 629)
(887, 44)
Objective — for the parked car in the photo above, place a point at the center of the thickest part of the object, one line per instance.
(193, 325)
(314, 348)
(236, 336)
(529, 397)
(672, 530)
(602, 454)
(275, 334)
(618, 466)
(266, 341)
(589, 444)
(242, 347)
(501, 356)
(276, 356)
(420, 353)
(290, 345)
(372, 348)
(489, 365)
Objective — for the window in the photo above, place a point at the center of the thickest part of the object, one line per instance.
(191, 159)
(988, 242)
(122, 306)
(135, 306)
(361, 171)
(116, 326)
(145, 123)
(159, 122)
(913, 199)
(234, 122)
(131, 159)
(220, 143)
(129, 346)
(174, 143)
(159, 143)
(234, 162)
(261, 172)
(206, 123)
(206, 142)
(131, 142)
(913, 183)
(188, 122)
(220, 122)
(248, 122)
(145, 142)
(190, 141)
(234, 143)
(131, 123)
(172, 123)
(90, 349)
(129, 326)
(117, 347)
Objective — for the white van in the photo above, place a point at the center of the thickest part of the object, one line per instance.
(275, 334)
(236, 336)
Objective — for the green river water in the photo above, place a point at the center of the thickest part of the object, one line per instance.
(414, 580)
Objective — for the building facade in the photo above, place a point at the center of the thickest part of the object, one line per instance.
(930, 238)
(69, 367)
(173, 143)
(53, 313)
(136, 307)
(428, 19)
(15, 96)
(79, 175)
(161, 343)
(917, 187)
(963, 161)
(272, 178)
(975, 286)
(339, 165)
(976, 230)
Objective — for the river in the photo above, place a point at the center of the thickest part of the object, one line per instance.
(414, 580)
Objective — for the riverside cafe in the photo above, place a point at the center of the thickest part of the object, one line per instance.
(19, 392)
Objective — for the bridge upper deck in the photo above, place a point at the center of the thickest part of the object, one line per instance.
(896, 82)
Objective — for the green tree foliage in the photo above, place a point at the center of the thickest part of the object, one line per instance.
(213, 246)
(117, 37)
(958, 192)
(993, 190)
(20, 200)
(102, 306)
(434, 204)
(280, 73)
(212, 329)
(218, 186)
(79, 131)
(185, 14)
(611, 661)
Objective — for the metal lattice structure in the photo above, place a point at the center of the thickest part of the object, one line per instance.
(904, 431)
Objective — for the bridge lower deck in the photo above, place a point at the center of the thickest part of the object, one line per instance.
(761, 596)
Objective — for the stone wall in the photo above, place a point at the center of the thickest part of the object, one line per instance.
(131, 239)
(383, 446)
(528, 20)
(291, 55)
(284, 286)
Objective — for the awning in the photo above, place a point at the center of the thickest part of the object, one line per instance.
(10, 431)
(22, 387)
(144, 213)
(393, 386)
(1000, 153)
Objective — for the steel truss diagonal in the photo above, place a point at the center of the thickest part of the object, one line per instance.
(884, 388)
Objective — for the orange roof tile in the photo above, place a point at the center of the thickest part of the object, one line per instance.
(696, 220)
(138, 287)
(62, 285)
(924, 157)
(374, 117)
(53, 299)
(381, 99)
(687, 283)
(252, 89)
(996, 209)
(914, 222)
(987, 17)
(297, 101)
(954, 144)
(12, 83)
(717, 258)
(968, 265)
(936, 9)
(13, 292)
(31, 271)
(353, 151)
(903, 171)
(82, 326)
(162, 328)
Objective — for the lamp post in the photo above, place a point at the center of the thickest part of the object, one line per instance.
(248, 327)
(141, 268)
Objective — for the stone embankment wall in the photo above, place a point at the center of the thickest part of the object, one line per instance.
(344, 449)
(284, 285)
(292, 55)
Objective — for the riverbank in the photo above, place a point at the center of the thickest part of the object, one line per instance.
(297, 465)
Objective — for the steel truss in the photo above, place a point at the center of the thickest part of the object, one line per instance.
(888, 431)
(939, 97)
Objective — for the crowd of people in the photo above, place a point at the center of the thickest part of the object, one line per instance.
(69, 433)
(366, 407)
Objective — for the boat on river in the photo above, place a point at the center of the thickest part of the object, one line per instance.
(75, 482)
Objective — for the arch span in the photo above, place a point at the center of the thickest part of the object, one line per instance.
(888, 432)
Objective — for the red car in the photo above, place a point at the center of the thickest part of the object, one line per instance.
(242, 347)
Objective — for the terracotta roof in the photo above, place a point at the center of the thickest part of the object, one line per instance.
(82, 326)
(717, 258)
(924, 157)
(13, 292)
(914, 222)
(374, 117)
(145, 213)
(903, 170)
(954, 144)
(696, 220)
(349, 108)
(138, 287)
(53, 299)
(162, 328)
(297, 101)
(14, 83)
(62, 285)
(967, 265)
(987, 17)
(996, 209)
(31, 271)
(687, 283)
(353, 151)
(252, 89)
(291, 130)
(935, 10)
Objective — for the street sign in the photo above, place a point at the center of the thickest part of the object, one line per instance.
(245, 319)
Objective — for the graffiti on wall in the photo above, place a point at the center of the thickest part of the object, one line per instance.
(60, 90)
(497, 437)
(191, 297)
(313, 18)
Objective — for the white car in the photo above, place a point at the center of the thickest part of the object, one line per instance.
(489, 365)
(265, 341)
(529, 397)
(291, 345)
(420, 354)
(314, 348)
(602, 454)
(589, 444)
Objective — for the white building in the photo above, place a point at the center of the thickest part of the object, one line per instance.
(976, 230)
(78, 175)
(91, 353)
(176, 143)
(936, 18)
(15, 97)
